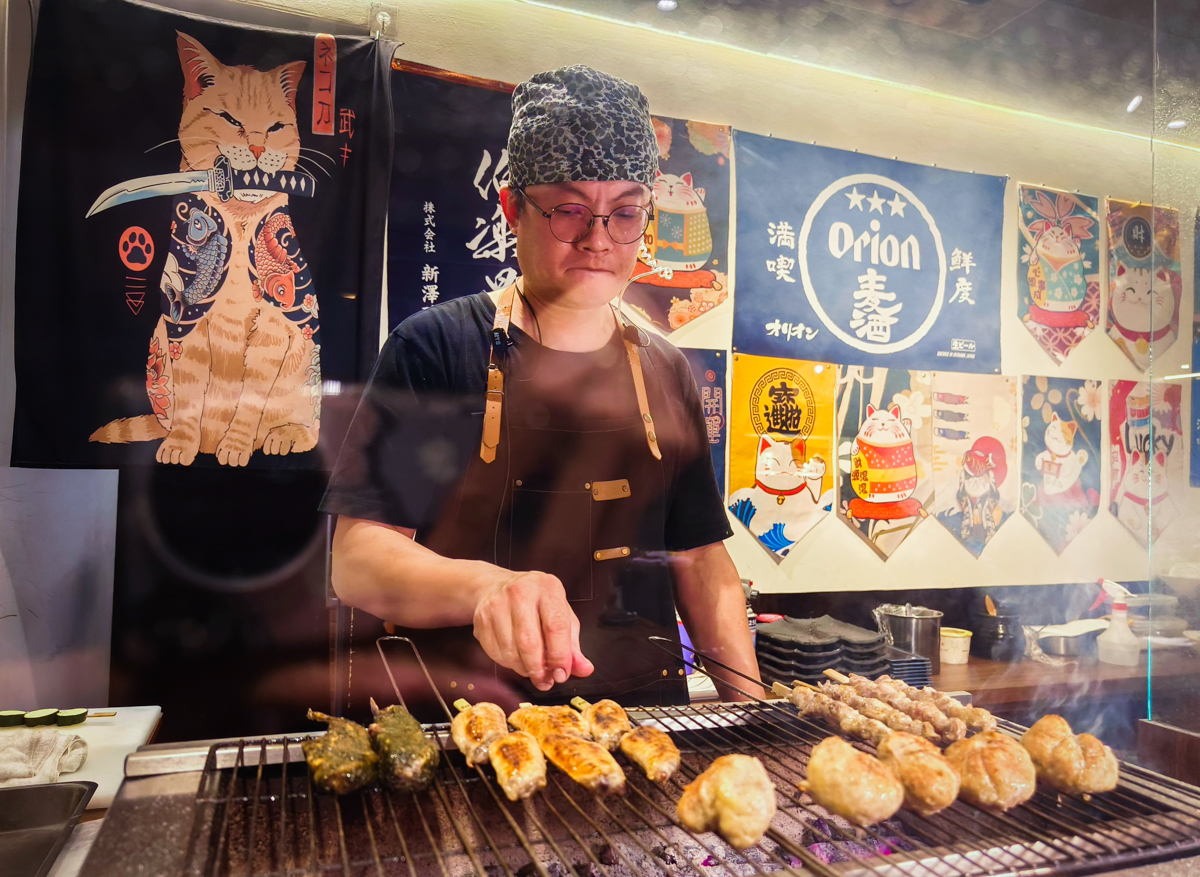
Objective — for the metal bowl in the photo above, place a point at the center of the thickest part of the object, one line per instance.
(1069, 646)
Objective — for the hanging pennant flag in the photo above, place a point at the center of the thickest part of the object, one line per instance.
(1060, 455)
(974, 455)
(1145, 429)
(709, 368)
(1058, 279)
(885, 453)
(852, 258)
(781, 448)
(1194, 456)
(1144, 283)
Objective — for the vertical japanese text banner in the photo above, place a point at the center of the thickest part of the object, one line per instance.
(447, 236)
(864, 260)
(709, 369)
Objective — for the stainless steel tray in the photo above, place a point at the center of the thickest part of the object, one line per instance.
(35, 822)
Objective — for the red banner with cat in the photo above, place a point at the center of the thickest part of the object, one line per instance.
(1145, 426)
(200, 231)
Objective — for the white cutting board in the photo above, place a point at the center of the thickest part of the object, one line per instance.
(109, 740)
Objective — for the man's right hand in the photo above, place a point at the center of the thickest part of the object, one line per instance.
(524, 623)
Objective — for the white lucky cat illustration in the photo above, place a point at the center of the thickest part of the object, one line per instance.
(1142, 307)
(1144, 486)
(1060, 464)
(786, 499)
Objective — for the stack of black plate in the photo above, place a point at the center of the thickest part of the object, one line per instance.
(908, 667)
(803, 648)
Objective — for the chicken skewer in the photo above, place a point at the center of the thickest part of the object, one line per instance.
(929, 782)
(976, 718)
(563, 741)
(734, 797)
(1078, 764)
(876, 709)
(649, 748)
(481, 734)
(948, 729)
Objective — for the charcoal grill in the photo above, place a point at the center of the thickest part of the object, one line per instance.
(253, 812)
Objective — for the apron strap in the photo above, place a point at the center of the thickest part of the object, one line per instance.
(639, 384)
(495, 381)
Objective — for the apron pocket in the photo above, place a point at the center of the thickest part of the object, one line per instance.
(551, 533)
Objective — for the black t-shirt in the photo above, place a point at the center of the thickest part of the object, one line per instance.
(421, 419)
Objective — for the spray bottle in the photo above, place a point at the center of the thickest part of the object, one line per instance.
(1118, 644)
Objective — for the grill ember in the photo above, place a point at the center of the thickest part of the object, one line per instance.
(262, 817)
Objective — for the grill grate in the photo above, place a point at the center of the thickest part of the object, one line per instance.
(258, 815)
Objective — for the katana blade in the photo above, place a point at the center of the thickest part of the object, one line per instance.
(221, 180)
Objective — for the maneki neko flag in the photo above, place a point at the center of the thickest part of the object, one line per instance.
(975, 454)
(1144, 283)
(1058, 278)
(781, 455)
(1145, 430)
(1060, 455)
(885, 453)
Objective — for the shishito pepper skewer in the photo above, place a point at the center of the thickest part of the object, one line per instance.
(407, 757)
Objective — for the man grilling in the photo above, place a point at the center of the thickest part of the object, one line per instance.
(527, 487)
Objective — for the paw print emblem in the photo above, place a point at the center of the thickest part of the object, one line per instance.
(136, 248)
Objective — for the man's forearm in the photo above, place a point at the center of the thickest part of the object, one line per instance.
(713, 609)
(384, 571)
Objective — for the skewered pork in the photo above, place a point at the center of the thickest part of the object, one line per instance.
(605, 720)
(948, 729)
(586, 762)
(1070, 763)
(733, 797)
(930, 783)
(811, 702)
(851, 783)
(995, 770)
(407, 758)
(519, 764)
(653, 751)
(876, 709)
(341, 759)
(976, 718)
(543, 720)
(475, 728)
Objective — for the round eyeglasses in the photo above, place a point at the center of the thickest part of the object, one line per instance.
(571, 223)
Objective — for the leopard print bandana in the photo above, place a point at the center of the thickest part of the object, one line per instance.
(576, 124)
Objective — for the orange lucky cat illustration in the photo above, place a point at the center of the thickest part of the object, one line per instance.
(234, 364)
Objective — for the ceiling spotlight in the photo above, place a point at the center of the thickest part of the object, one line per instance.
(668, 5)
(1134, 104)
(1177, 124)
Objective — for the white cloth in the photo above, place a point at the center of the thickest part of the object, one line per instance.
(39, 755)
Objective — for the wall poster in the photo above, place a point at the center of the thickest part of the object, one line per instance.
(1144, 283)
(781, 452)
(1058, 278)
(885, 453)
(709, 367)
(852, 258)
(1145, 445)
(1060, 455)
(975, 455)
(205, 226)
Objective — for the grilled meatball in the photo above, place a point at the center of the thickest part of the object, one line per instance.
(733, 797)
(341, 759)
(653, 751)
(475, 728)
(930, 783)
(1073, 764)
(851, 783)
(995, 771)
(519, 765)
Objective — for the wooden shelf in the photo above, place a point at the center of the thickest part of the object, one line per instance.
(998, 683)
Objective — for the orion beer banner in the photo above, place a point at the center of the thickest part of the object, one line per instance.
(855, 259)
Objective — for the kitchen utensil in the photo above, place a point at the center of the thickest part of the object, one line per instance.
(35, 822)
(914, 629)
(956, 645)
(998, 637)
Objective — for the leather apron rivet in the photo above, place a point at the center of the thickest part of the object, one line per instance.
(454, 685)
(664, 672)
(652, 437)
(646, 417)
(624, 552)
(470, 686)
(518, 482)
(624, 488)
(587, 486)
(680, 671)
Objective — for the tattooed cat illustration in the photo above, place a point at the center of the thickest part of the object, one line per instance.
(234, 364)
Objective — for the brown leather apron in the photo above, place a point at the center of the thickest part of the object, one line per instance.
(582, 499)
